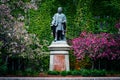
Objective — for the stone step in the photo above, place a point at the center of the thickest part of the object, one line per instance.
(59, 78)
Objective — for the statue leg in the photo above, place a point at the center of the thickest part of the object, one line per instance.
(54, 32)
(55, 39)
(63, 36)
(58, 35)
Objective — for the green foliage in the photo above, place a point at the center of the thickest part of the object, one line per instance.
(75, 73)
(72, 60)
(85, 63)
(106, 13)
(39, 63)
(53, 72)
(64, 73)
(30, 72)
(85, 72)
(3, 68)
(113, 72)
(97, 16)
(106, 8)
(3, 65)
(98, 72)
(44, 62)
(84, 20)
(81, 72)
(105, 24)
(69, 72)
(40, 22)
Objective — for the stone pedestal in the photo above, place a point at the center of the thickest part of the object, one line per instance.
(59, 56)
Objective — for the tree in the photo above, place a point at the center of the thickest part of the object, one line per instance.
(97, 46)
(15, 39)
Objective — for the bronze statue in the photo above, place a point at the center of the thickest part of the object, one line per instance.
(58, 25)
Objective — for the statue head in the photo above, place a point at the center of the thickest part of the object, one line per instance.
(59, 9)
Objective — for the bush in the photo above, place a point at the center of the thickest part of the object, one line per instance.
(69, 72)
(30, 72)
(82, 72)
(76, 72)
(72, 60)
(64, 73)
(97, 47)
(98, 72)
(18, 73)
(3, 69)
(53, 72)
(85, 72)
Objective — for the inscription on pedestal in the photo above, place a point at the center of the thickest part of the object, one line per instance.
(59, 62)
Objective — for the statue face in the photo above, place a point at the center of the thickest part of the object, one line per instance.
(60, 10)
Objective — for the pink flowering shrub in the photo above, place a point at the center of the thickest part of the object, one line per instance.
(117, 25)
(97, 46)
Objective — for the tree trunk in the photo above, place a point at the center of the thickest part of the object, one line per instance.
(6, 60)
(92, 64)
(19, 64)
(12, 65)
(99, 64)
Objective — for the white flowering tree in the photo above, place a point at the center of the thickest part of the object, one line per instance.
(14, 38)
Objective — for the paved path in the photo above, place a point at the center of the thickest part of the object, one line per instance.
(59, 78)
